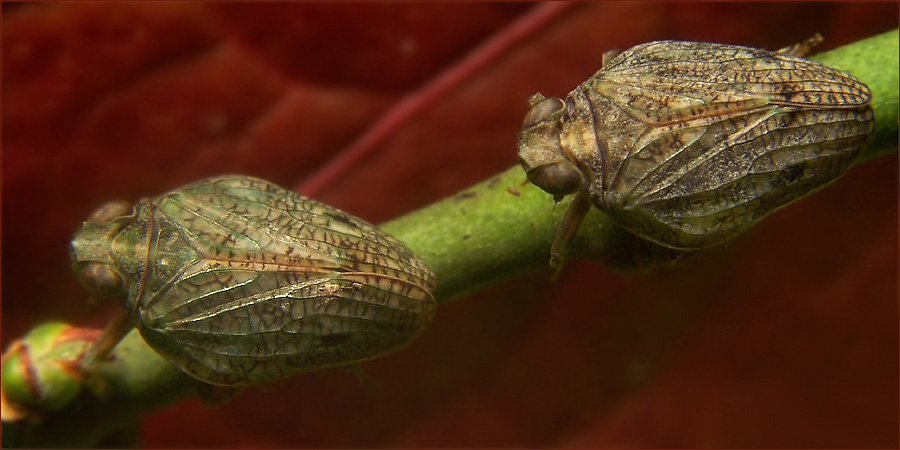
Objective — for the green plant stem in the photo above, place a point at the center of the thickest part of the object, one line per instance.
(874, 61)
(493, 231)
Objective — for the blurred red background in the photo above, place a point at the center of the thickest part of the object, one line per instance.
(787, 337)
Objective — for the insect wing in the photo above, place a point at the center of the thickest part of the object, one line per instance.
(282, 284)
(674, 72)
(704, 139)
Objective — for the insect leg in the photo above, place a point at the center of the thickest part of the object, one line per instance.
(111, 335)
(567, 228)
(802, 48)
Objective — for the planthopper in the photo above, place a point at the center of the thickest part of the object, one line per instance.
(237, 281)
(687, 144)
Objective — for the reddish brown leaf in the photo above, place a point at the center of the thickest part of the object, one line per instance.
(786, 337)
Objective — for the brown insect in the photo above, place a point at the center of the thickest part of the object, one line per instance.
(688, 144)
(237, 281)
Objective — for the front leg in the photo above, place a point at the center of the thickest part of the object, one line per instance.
(567, 228)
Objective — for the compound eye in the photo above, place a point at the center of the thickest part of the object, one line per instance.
(100, 280)
(542, 110)
(558, 179)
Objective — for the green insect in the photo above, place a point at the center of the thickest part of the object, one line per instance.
(687, 144)
(237, 281)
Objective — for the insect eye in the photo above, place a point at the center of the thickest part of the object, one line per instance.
(541, 111)
(100, 280)
(558, 179)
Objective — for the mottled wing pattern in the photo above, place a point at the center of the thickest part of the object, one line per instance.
(282, 284)
(724, 135)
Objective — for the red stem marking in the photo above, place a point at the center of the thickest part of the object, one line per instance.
(432, 92)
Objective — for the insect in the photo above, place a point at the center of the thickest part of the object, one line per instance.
(237, 281)
(688, 144)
